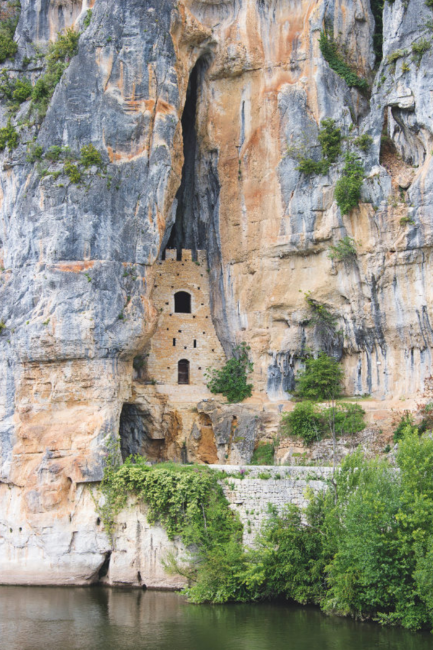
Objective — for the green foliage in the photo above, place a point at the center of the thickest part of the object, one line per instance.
(16, 91)
(305, 421)
(232, 380)
(364, 142)
(263, 454)
(57, 58)
(87, 19)
(189, 502)
(309, 422)
(377, 10)
(330, 140)
(363, 549)
(344, 250)
(72, 172)
(345, 418)
(8, 137)
(23, 90)
(394, 56)
(90, 156)
(322, 319)
(34, 152)
(419, 49)
(8, 47)
(321, 379)
(287, 562)
(348, 187)
(309, 166)
(331, 54)
(406, 424)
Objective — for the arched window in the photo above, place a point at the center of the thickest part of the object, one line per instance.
(183, 372)
(182, 302)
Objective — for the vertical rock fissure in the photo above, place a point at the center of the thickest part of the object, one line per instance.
(183, 232)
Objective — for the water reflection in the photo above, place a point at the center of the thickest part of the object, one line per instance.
(33, 618)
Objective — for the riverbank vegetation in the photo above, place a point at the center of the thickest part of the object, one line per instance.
(362, 548)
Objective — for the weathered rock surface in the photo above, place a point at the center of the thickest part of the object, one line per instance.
(78, 261)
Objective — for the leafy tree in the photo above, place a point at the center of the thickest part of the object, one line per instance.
(232, 380)
(321, 379)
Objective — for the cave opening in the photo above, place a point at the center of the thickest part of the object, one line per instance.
(135, 437)
(189, 231)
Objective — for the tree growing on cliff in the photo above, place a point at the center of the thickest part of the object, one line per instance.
(321, 381)
(232, 380)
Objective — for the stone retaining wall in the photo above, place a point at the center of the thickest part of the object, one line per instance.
(260, 486)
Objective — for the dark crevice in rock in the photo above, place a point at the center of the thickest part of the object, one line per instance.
(103, 571)
(134, 435)
(188, 231)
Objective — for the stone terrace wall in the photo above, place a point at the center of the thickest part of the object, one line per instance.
(278, 486)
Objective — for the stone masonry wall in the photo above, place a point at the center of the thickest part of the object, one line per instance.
(172, 276)
(262, 486)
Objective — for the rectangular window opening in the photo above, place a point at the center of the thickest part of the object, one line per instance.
(174, 343)
(195, 343)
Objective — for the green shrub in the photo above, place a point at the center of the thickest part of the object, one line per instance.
(344, 250)
(394, 56)
(87, 19)
(321, 379)
(57, 58)
(406, 424)
(348, 187)
(54, 153)
(306, 421)
(8, 137)
(346, 418)
(16, 91)
(364, 142)
(330, 53)
(322, 319)
(72, 172)
(419, 49)
(8, 47)
(263, 454)
(330, 140)
(23, 90)
(90, 156)
(34, 153)
(309, 166)
(232, 380)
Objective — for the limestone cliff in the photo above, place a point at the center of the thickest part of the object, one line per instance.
(199, 110)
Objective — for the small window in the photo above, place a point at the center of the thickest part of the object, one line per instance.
(195, 343)
(182, 302)
(174, 343)
(183, 372)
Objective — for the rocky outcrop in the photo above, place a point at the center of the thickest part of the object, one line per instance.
(200, 110)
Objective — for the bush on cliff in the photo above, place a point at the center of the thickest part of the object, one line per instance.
(348, 187)
(58, 59)
(232, 380)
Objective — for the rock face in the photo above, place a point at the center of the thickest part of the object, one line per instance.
(200, 111)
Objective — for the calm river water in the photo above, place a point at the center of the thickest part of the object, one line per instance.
(33, 618)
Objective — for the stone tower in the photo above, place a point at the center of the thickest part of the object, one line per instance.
(185, 343)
